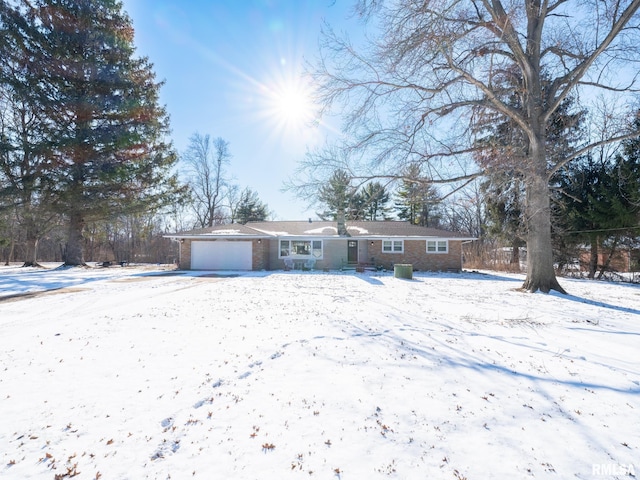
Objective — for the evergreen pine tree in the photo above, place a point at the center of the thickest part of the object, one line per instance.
(339, 197)
(107, 151)
(628, 170)
(503, 197)
(375, 199)
(596, 208)
(505, 147)
(417, 201)
(22, 144)
(251, 208)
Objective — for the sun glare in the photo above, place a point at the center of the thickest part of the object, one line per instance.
(285, 109)
(289, 105)
(293, 105)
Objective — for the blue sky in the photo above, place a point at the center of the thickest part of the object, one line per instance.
(233, 69)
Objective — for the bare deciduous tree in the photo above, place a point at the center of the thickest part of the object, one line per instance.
(205, 165)
(431, 69)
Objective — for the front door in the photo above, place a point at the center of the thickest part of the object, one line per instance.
(352, 251)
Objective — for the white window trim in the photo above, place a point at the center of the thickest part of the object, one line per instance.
(437, 250)
(393, 242)
(297, 255)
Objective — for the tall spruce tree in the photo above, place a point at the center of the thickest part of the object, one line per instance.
(594, 209)
(21, 143)
(600, 201)
(628, 169)
(251, 208)
(503, 147)
(417, 201)
(375, 199)
(338, 196)
(106, 148)
(21, 168)
(503, 197)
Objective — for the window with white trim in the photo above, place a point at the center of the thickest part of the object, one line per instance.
(301, 248)
(393, 246)
(437, 246)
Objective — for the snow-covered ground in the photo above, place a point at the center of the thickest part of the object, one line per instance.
(140, 372)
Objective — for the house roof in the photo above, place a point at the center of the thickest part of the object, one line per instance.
(234, 230)
(321, 229)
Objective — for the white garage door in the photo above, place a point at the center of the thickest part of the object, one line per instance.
(221, 255)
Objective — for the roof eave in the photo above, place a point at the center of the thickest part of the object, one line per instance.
(210, 236)
(412, 237)
(285, 235)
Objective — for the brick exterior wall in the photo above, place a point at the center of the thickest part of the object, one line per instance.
(260, 252)
(415, 253)
(265, 255)
(185, 255)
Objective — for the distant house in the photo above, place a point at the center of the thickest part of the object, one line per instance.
(625, 259)
(319, 245)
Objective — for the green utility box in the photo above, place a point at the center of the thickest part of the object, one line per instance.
(403, 270)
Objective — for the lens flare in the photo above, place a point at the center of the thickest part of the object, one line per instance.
(289, 105)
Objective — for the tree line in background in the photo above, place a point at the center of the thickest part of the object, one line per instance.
(87, 171)
(595, 204)
(414, 200)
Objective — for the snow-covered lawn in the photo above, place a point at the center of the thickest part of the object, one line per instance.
(139, 372)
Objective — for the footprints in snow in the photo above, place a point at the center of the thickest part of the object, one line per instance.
(257, 363)
(167, 446)
(170, 446)
(217, 384)
(242, 376)
(167, 422)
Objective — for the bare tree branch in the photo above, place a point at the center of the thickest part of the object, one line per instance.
(435, 68)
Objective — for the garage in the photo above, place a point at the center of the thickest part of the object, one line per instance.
(221, 255)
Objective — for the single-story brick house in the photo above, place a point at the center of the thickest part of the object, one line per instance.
(319, 245)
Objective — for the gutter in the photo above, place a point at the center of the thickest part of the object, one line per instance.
(216, 237)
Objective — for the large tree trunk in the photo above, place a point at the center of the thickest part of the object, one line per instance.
(31, 254)
(32, 233)
(514, 262)
(607, 263)
(540, 273)
(74, 251)
(593, 256)
(12, 247)
(32, 222)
